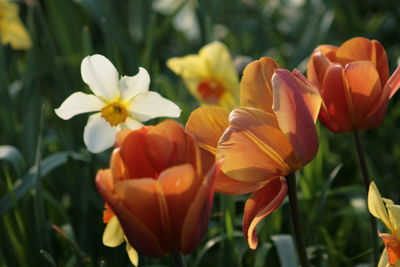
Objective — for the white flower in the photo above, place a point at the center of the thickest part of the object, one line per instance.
(121, 103)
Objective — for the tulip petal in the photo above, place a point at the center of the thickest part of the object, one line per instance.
(132, 254)
(365, 88)
(117, 166)
(198, 215)
(98, 134)
(260, 204)
(150, 105)
(208, 124)
(78, 103)
(295, 105)
(140, 212)
(253, 147)
(180, 186)
(393, 83)
(101, 76)
(171, 145)
(337, 101)
(255, 86)
(113, 234)
(134, 85)
(318, 64)
(134, 153)
(226, 185)
(355, 49)
(381, 62)
(376, 206)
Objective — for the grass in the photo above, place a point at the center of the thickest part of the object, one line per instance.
(51, 213)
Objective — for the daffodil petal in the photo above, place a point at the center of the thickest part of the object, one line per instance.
(384, 261)
(394, 216)
(132, 254)
(101, 76)
(113, 234)
(376, 207)
(78, 103)
(12, 30)
(134, 85)
(98, 134)
(149, 105)
(133, 124)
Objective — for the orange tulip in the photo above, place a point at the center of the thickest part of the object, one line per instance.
(272, 135)
(354, 83)
(158, 190)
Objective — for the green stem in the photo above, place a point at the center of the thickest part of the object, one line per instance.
(296, 222)
(366, 180)
(177, 258)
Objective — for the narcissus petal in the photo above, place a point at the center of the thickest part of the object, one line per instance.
(132, 254)
(150, 105)
(392, 248)
(260, 204)
(255, 86)
(208, 124)
(98, 134)
(131, 86)
(384, 261)
(295, 105)
(113, 235)
(253, 147)
(78, 103)
(376, 206)
(101, 76)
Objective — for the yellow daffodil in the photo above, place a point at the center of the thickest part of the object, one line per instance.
(118, 102)
(113, 235)
(209, 76)
(12, 31)
(389, 213)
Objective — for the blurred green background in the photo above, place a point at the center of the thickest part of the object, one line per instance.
(50, 211)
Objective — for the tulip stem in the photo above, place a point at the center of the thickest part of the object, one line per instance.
(296, 222)
(364, 170)
(177, 258)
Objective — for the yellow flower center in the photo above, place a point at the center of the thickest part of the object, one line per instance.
(210, 91)
(115, 113)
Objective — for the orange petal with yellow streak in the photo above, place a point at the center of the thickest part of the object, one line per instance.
(255, 86)
(180, 186)
(198, 215)
(254, 148)
(296, 105)
(260, 204)
(226, 185)
(365, 89)
(208, 124)
(392, 247)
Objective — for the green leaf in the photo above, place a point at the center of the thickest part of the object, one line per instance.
(12, 155)
(286, 250)
(22, 186)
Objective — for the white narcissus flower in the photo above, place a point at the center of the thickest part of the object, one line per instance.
(120, 102)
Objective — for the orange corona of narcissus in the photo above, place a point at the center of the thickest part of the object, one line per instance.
(210, 75)
(270, 136)
(158, 189)
(354, 83)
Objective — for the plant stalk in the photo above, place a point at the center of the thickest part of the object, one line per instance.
(177, 258)
(366, 180)
(296, 222)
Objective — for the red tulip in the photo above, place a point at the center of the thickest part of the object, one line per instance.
(354, 84)
(158, 189)
(271, 136)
